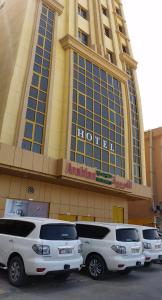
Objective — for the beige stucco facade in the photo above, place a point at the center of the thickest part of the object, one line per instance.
(67, 194)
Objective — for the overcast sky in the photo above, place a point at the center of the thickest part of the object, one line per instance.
(144, 21)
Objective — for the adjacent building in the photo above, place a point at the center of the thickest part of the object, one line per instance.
(71, 129)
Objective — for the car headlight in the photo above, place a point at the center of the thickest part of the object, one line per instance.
(119, 249)
(146, 245)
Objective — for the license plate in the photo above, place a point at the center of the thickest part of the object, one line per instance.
(135, 250)
(65, 251)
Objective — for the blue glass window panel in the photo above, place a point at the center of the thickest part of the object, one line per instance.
(74, 117)
(105, 155)
(42, 96)
(89, 162)
(89, 124)
(44, 83)
(89, 66)
(45, 72)
(105, 168)
(73, 143)
(30, 115)
(73, 130)
(50, 15)
(38, 134)
(72, 156)
(89, 92)
(97, 118)
(46, 63)
(97, 108)
(112, 170)
(89, 149)
(26, 145)
(118, 138)
(40, 40)
(110, 80)
(97, 164)
(103, 75)
(96, 71)
(37, 68)
(35, 80)
(79, 158)
(104, 91)
(81, 62)
(38, 59)
(80, 146)
(89, 82)
(82, 78)
(49, 35)
(32, 103)
(81, 120)
(104, 101)
(112, 117)
(46, 54)
(97, 128)
(39, 51)
(81, 87)
(81, 110)
(28, 130)
(112, 135)
(105, 131)
(97, 96)
(89, 104)
(112, 158)
(104, 112)
(42, 23)
(40, 118)
(97, 153)
(47, 45)
(81, 99)
(36, 148)
(41, 107)
(33, 92)
(97, 87)
(49, 28)
(42, 30)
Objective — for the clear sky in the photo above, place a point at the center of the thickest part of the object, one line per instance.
(144, 22)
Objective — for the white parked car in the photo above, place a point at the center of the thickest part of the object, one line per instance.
(37, 246)
(152, 244)
(109, 246)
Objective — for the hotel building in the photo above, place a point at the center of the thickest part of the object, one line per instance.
(71, 129)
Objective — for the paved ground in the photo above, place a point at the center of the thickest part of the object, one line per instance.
(145, 284)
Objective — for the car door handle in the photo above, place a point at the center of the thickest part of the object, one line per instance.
(86, 242)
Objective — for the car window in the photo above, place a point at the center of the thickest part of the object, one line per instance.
(150, 234)
(92, 231)
(56, 232)
(16, 227)
(127, 235)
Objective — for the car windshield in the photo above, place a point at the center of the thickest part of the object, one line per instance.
(151, 234)
(55, 232)
(127, 235)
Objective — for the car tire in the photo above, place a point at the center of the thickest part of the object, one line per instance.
(96, 267)
(16, 271)
(147, 264)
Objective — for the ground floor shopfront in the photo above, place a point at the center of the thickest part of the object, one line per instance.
(28, 197)
(35, 185)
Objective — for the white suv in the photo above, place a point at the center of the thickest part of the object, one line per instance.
(109, 246)
(152, 244)
(37, 246)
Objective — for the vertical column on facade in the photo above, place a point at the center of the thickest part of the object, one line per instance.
(98, 30)
(141, 129)
(126, 31)
(71, 14)
(52, 83)
(113, 28)
(92, 25)
(127, 133)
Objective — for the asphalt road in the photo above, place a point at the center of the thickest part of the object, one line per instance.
(145, 284)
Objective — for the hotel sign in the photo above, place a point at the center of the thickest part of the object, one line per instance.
(95, 139)
(97, 176)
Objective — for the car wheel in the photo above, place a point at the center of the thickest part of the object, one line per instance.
(96, 267)
(16, 271)
(147, 264)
